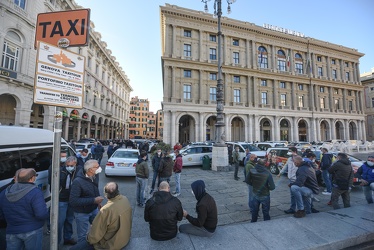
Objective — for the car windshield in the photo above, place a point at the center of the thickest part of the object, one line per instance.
(125, 154)
(251, 147)
(79, 147)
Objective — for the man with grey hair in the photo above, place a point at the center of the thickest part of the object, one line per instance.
(68, 170)
(111, 228)
(85, 197)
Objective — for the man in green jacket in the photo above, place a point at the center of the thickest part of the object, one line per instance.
(236, 161)
(250, 165)
(142, 174)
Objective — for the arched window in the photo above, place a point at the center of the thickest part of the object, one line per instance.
(262, 57)
(281, 60)
(11, 51)
(299, 64)
(298, 56)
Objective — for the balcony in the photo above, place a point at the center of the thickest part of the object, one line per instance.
(108, 113)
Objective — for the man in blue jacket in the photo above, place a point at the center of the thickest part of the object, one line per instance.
(85, 197)
(23, 207)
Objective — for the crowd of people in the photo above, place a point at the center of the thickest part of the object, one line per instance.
(24, 212)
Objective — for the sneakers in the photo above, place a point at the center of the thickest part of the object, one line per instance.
(314, 211)
(289, 211)
(70, 242)
(141, 205)
(299, 214)
(326, 193)
(315, 199)
(236, 178)
(176, 194)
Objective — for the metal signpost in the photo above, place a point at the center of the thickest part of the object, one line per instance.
(59, 81)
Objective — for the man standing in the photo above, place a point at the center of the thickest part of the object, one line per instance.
(23, 207)
(110, 149)
(111, 228)
(142, 174)
(366, 173)
(342, 180)
(163, 211)
(291, 174)
(93, 150)
(326, 162)
(236, 161)
(262, 182)
(65, 211)
(206, 222)
(155, 166)
(166, 168)
(99, 151)
(303, 187)
(83, 157)
(178, 165)
(250, 165)
(85, 197)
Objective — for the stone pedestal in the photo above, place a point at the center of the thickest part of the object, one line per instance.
(220, 159)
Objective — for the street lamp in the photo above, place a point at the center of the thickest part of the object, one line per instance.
(219, 147)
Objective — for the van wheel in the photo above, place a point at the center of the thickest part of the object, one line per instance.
(274, 169)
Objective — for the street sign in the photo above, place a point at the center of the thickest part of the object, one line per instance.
(59, 77)
(63, 28)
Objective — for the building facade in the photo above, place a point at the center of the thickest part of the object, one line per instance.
(277, 86)
(106, 91)
(151, 126)
(367, 80)
(139, 111)
(160, 124)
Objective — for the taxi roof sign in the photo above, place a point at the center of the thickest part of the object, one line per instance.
(63, 28)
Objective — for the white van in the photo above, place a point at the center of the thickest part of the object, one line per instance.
(242, 147)
(22, 147)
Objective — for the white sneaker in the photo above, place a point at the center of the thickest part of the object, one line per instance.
(176, 194)
(315, 199)
(326, 193)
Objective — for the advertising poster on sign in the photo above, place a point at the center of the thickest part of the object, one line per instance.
(59, 77)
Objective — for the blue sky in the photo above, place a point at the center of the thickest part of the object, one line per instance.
(131, 28)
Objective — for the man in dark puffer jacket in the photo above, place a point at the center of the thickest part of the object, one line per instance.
(163, 211)
(206, 222)
(85, 197)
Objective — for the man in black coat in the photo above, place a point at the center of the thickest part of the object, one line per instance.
(163, 211)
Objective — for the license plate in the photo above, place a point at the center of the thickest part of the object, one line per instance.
(124, 164)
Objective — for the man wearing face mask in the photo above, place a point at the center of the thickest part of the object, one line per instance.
(366, 173)
(84, 156)
(65, 211)
(155, 165)
(85, 197)
(291, 174)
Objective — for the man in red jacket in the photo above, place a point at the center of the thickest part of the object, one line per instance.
(177, 169)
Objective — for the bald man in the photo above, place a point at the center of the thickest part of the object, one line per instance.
(111, 228)
(163, 211)
(23, 207)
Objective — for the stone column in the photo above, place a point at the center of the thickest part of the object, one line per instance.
(228, 128)
(249, 100)
(96, 128)
(328, 70)
(201, 98)
(346, 129)
(275, 100)
(332, 129)
(250, 128)
(174, 127)
(254, 55)
(66, 128)
(313, 134)
(293, 103)
(295, 129)
(358, 107)
(363, 130)
(79, 130)
(89, 129)
(174, 42)
(201, 35)
(247, 58)
(257, 128)
(275, 128)
(224, 51)
(331, 99)
(202, 128)
(273, 63)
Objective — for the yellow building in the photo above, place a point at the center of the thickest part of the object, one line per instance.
(278, 84)
(160, 124)
(139, 110)
(151, 126)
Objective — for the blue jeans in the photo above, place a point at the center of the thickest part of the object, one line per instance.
(82, 245)
(83, 222)
(178, 183)
(141, 184)
(155, 174)
(326, 180)
(293, 202)
(65, 221)
(250, 197)
(29, 241)
(265, 203)
(368, 192)
(303, 198)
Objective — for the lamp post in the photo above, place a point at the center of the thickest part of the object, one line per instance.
(220, 156)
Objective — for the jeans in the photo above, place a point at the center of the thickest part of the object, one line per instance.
(250, 197)
(198, 231)
(264, 201)
(29, 241)
(326, 180)
(83, 222)
(155, 174)
(141, 184)
(178, 183)
(336, 192)
(303, 197)
(82, 245)
(293, 202)
(99, 158)
(368, 192)
(65, 221)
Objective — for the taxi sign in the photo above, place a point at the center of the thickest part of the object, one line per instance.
(63, 28)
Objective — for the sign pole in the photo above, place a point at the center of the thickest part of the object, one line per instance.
(55, 178)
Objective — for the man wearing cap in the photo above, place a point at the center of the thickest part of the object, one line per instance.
(206, 222)
(291, 174)
(23, 207)
(366, 173)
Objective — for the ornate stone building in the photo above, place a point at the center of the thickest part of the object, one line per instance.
(277, 86)
(139, 112)
(367, 80)
(107, 88)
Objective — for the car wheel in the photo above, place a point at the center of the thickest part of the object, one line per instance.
(274, 169)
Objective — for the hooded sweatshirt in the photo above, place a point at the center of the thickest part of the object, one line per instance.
(206, 208)
(261, 181)
(23, 207)
(341, 170)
